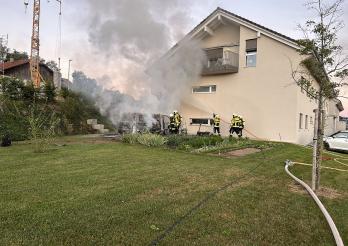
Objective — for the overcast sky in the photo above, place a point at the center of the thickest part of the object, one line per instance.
(282, 16)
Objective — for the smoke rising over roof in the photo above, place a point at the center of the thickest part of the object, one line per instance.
(131, 36)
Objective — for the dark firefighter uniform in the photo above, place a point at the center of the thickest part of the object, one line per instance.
(217, 121)
(237, 125)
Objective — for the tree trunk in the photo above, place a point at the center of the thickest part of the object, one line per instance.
(315, 144)
(319, 146)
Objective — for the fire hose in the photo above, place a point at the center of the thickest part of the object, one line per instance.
(336, 234)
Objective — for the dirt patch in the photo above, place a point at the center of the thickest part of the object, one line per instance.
(327, 158)
(150, 194)
(239, 152)
(323, 191)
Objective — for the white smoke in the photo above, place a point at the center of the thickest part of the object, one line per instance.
(132, 37)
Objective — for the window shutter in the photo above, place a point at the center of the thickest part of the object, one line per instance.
(214, 53)
(251, 45)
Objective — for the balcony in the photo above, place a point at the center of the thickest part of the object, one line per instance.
(221, 61)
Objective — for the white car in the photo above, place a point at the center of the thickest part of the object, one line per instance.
(337, 141)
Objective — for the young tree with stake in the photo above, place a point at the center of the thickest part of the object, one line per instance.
(325, 64)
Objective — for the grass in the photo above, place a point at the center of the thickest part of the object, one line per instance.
(94, 192)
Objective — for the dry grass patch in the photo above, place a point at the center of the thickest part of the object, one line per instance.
(323, 191)
(238, 152)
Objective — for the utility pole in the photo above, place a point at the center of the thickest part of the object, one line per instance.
(69, 69)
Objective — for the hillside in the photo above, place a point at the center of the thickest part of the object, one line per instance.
(20, 102)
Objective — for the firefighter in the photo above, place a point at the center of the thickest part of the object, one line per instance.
(237, 125)
(172, 125)
(217, 121)
(178, 120)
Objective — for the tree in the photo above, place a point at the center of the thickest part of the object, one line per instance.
(16, 55)
(326, 66)
(52, 65)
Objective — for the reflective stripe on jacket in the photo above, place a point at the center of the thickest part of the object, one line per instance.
(237, 122)
(217, 121)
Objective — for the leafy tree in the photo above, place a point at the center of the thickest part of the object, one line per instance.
(11, 87)
(326, 66)
(17, 55)
(52, 65)
(50, 92)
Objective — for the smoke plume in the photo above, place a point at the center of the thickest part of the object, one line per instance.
(131, 38)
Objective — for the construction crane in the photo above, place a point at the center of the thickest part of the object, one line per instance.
(35, 43)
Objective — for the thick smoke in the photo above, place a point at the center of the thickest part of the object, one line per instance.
(131, 37)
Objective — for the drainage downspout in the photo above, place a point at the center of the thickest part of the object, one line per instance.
(336, 234)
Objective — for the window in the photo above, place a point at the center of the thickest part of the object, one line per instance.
(251, 59)
(251, 51)
(311, 120)
(340, 135)
(300, 124)
(200, 121)
(204, 89)
(306, 122)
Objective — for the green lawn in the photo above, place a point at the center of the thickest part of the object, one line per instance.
(99, 193)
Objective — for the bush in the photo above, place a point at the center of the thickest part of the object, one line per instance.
(187, 142)
(174, 141)
(151, 140)
(13, 120)
(43, 127)
(148, 139)
(17, 99)
(130, 138)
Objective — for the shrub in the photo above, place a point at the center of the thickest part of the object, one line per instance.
(130, 138)
(147, 139)
(43, 127)
(13, 120)
(174, 141)
(151, 140)
(187, 142)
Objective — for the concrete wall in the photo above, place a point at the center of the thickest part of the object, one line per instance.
(265, 95)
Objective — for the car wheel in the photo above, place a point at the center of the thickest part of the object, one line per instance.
(327, 146)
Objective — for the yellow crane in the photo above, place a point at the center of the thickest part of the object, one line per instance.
(35, 42)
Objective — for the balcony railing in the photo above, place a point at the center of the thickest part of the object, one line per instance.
(221, 62)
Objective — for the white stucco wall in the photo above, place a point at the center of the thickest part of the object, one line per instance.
(265, 95)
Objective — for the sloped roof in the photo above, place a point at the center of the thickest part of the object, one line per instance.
(9, 65)
(255, 24)
(240, 20)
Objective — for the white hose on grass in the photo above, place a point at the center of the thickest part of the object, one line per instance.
(336, 234)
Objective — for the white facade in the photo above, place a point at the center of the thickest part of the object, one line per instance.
(261, 88)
